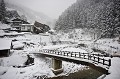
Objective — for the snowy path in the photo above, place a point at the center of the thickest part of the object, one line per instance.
(114, 69)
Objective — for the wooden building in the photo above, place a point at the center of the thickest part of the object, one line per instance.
(15, 23)
(18, 21)
(40, 28)
(5, 46)
(26, 27)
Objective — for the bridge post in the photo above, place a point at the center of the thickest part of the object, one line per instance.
(109, 62)
(57, 66)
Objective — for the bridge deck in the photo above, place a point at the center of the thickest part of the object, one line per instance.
(99, 63)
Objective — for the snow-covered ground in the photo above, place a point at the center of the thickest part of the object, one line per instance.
(19, 57)
(4, 26)
(110, 46)
(42, 65)
(114, 69)
(107, 45)
(32, 43)
(30, 72)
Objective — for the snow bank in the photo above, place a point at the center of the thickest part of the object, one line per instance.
(1, 31)
(17, 45)
(75, 36)
(4, 26)
(5, 44)
(3, 70)
(40, 67)
(114, 69)
(14, 60)
(71, 68)
(53, 47)
(75, 50)
(110, 46)
(11, 34)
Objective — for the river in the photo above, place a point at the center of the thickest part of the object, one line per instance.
(82, 74)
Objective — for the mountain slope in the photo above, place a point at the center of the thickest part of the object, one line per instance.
(31, 15)
(103, 15)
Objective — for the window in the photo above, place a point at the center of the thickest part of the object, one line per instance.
(23, 27)
(29, 28)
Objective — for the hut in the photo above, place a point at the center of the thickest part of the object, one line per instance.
(5, 46)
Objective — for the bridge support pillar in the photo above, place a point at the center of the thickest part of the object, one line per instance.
(57, 66)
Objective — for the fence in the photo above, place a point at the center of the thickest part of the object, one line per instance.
(92, 57)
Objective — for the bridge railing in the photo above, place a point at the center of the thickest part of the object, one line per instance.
(93, 57)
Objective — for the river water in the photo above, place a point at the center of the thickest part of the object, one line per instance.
(82, 74)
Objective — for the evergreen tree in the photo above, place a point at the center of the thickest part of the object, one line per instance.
(103, 15)
(2, 11)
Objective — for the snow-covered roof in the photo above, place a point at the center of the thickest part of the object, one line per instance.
(15, 21)
(27, 24)
(10, 34)
(5, 44)
(17, 44)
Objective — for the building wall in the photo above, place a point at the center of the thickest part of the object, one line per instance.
(27, 28)
(4, 53)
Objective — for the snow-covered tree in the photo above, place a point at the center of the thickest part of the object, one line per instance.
(103, 15)
(23, 17)
(2, 11)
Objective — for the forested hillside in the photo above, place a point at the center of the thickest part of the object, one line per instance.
(103, 15)
(30, 15)
(6, 13)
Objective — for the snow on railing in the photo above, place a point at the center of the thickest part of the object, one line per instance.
(92, 57)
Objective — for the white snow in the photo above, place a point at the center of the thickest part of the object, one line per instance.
(53, 47)
(18, 58)
(71, 68)
(4, 26)
(42, 66)
(5, 44)
(17, 44)
(1, 31)
(114, 69)
(10, 9)
(9, 34)
(75, 50)
(110, 46)
(14, 60)
(75, 36)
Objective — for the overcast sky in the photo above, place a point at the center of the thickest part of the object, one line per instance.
(52, 8)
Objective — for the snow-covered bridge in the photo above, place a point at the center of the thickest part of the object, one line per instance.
(95, 61)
